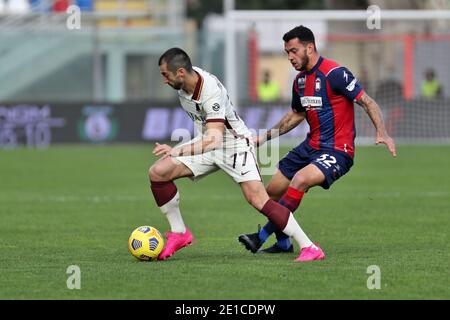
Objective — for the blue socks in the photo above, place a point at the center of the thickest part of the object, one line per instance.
(267, 231)
(283, 241)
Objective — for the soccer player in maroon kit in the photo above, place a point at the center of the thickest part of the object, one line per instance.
(324, 94)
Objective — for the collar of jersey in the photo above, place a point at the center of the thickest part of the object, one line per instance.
(315, 66)
(198, 89)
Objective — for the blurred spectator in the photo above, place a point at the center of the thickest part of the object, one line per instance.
(18, 6)
(389, 90)
(431, 87)
(85, 5)
(268, 90)
(61, 5)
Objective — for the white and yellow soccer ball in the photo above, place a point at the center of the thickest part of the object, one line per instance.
(146, 243)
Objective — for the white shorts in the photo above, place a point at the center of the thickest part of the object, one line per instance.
(238, 161)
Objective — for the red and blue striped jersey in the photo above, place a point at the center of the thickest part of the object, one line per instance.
(327, 93)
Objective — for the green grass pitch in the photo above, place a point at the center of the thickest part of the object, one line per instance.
(77, 205)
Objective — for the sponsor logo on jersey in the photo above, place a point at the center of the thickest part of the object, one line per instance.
(311, 102)
(196, 117)
(301, 82)
(317, 85)
(351, 86)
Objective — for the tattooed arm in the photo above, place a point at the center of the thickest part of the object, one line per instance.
(373, 110)
(286, 124)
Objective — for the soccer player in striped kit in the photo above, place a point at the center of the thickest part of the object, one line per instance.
(324, 94)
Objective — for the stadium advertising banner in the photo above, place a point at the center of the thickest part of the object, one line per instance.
(30, 125)
(40, 125)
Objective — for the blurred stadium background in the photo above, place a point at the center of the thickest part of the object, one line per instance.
(100, 82)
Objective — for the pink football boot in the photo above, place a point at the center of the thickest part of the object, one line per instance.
(313, 252)
(174, 242)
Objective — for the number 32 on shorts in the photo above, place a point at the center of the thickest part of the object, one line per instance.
(326, 160)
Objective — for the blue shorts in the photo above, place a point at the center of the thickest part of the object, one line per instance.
(333, 163)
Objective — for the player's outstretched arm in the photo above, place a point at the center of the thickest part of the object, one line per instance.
(212, 139)
(374, 112)
(286, 124)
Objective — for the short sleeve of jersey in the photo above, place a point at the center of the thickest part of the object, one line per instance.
(342, 82)
(296, 103)
(213, 107)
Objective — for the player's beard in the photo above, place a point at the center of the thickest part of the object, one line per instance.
(177, 85)
(305, 62)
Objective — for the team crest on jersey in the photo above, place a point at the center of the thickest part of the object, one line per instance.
(216, 107)
(318, 85)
